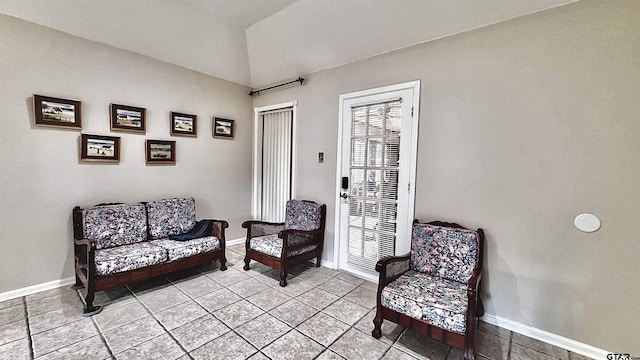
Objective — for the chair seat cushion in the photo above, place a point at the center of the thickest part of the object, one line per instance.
(128, 257)
(272, 245)
(435, 300)
(182, 249)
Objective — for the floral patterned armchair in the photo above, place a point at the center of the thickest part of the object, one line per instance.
(284, 245)
(435, 289)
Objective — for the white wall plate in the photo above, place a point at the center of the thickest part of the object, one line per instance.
(587, 222)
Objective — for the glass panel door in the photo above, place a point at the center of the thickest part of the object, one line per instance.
(377, 165)
(373, 184)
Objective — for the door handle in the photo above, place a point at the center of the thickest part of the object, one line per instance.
(344, 195)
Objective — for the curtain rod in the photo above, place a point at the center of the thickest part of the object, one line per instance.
(257, 92)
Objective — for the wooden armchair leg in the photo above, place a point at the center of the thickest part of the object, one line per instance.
(223, 263)
(377, 326)
(246, 263)
(468, 354)
(283, 278)
(319, 260)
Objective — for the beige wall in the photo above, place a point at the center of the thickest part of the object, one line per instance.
(523, 125)
(41, 179)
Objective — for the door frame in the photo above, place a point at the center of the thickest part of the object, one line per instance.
(414, 86)
(256, 189)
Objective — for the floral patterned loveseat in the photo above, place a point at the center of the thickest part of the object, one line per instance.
(117, 244)
(435, 289)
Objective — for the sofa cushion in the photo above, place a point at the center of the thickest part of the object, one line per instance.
(128, 257)
(171, 217)
(443, 251)
(435, 300)
(303, 215)
(181, 249)
(272, 245)
(115, 225)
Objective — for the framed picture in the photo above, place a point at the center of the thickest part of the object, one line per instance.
(99, 148)
(161, 152)
(50, 111)
(183, 124)
(128, 118)
(223, 128)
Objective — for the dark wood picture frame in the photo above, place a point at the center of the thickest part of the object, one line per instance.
(223, 128)
(57, 112)
(99, 148)
(184, 124)
(160, 151)
(128, 118)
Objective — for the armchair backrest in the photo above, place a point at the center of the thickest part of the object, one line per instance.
(303, 215)
(448, 252)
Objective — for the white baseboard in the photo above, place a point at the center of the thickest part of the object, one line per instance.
(235, 241)
(547, 337)
(328, 264)
(36, 288)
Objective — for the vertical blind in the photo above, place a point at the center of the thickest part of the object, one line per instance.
(276, 163)
(373, 174)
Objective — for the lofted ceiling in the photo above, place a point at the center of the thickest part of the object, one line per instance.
(260, 42)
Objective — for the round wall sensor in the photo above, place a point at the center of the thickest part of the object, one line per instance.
(587, 222)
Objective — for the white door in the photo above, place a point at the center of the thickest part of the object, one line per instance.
(378, 143)
(273, 161)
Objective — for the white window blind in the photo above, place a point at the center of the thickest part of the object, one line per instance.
(373, 174)
(276, 163)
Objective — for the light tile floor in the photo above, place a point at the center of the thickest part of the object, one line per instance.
(206, 313)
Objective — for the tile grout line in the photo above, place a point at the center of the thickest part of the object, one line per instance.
(95, 324)
(31, 350)
(510, 345)
(258, 350)
(159, 322)
(352, 326)
(391, 346)
(217, 318)
(26, 319)
(292, 328)
(102, 338)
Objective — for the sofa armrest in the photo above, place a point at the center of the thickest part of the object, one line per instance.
(218, 228)
(90, 245)
(473, 292)
(85, 254)
(260, 228)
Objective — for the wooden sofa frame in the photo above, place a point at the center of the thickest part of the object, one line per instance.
(475, 307)
(284, 263)
(85, 270)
